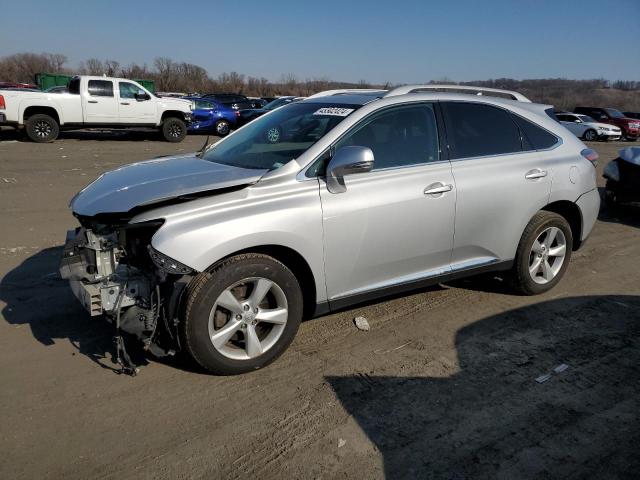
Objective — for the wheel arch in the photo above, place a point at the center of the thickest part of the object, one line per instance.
(172, 114)
(571, 213)
(37, 109)
(295, 262)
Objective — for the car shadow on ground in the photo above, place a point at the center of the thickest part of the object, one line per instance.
(36, 296)
(492, 419)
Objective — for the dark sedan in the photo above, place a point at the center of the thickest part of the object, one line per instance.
(249, 114)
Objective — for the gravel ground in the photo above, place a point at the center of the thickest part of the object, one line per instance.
(442, 386)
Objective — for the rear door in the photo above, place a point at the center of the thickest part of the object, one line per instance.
(140, 110)
(501, 182)
(99, 102)
(387, 228)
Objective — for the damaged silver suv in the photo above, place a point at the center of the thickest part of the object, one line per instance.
(346, 196)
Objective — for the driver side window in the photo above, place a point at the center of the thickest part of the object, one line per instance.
(129, 90)
(398, 136)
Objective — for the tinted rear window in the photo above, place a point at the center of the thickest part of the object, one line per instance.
(477, 130)
(535, 137)
(100, 88)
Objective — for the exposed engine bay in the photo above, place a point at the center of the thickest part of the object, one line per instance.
(114, 271)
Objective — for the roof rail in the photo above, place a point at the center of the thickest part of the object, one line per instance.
(456, 88)
(329, 93)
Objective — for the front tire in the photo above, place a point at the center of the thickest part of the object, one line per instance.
(543, 254)
(590, 135)
(174, 129)
(242, 315)
(42, 128)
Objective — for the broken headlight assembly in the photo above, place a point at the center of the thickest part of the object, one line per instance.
(168, 264)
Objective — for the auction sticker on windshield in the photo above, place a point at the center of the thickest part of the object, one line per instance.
(335, 111)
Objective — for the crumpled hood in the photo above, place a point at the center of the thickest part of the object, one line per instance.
(157, 180)
(631, 155)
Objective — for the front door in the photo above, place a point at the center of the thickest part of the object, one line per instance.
(393, 225)
(140, 110)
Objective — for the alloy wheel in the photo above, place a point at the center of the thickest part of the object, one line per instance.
(175, 130)
(547, 255)
(248, 318)
(42, 129)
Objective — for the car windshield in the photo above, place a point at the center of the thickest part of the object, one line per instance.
(614, 113)
(273, 140)
(586, 118)
(278, 102)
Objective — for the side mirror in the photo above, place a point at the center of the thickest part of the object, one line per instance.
(347, 161)
(141, 97)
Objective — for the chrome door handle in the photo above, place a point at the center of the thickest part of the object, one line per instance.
(535, 173)
(92, 101)
(437, 188)
(124, 103)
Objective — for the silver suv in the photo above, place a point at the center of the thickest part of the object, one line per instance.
(346, 196)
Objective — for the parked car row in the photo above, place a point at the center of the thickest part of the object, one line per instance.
(629, 128)
(220, 113)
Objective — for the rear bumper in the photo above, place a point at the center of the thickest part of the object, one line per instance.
(589, 204)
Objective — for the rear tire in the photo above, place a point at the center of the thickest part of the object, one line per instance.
(174, 129)
(543, 254)
(42, 128)
(228, 326)
(222, 128)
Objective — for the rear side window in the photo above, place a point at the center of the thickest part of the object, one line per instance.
(477, 130)
(74, 86)
(100, 88)
(535, 137)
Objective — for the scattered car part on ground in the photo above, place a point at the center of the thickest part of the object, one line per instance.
(337, 199)
(630, 127)
(94, 102)
(586, 128)
(623, 177)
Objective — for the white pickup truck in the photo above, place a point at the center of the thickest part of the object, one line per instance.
(93, 102)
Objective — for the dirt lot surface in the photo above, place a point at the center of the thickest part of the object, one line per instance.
(442, 386)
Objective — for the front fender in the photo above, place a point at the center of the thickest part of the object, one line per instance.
(203, 232)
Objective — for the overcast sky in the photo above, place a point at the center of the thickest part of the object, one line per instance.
(401, 41)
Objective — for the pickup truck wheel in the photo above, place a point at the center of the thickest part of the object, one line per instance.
(42, 128)
(174, 129)
(242, 315)
(543, 254)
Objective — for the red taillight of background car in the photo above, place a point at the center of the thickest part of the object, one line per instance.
(237, 113)
(2, 105)
(591, 155)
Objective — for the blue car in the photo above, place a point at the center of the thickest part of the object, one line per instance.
(209, 116)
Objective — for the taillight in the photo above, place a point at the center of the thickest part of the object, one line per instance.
(237, 113)
(2, 104)
(591, 155)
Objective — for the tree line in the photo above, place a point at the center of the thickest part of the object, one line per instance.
(173, 76)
